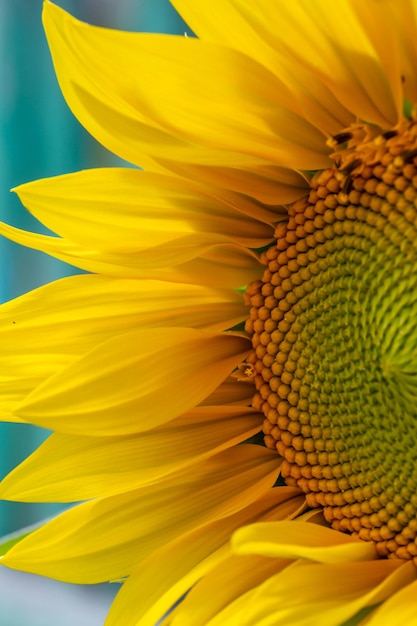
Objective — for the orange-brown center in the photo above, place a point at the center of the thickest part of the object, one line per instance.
(334, 331)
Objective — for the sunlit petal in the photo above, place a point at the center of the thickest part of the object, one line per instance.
(202, 259)
(97, 541)
(289, 540)
(69, 467)
(247, 102)
(117, 389)
(335, 592)
(140, 209)
(348, 47)
(184, 567)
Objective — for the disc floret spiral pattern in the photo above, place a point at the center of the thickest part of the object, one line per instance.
(334, 331)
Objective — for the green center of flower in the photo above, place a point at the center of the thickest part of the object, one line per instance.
(334, 330)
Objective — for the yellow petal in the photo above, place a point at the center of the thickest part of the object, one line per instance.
(45, 329)
(129, 210)
(231, 391)
(231, 579)
(237, 574)
(234, 104)
(334, 591)
(201, 261)
(134, 381)
(105, 539)
(352, 49)
(266, 183)
(399, 609)
(297, 540)
(404, 23)
(189, 558)
(346, 50)
(81, 311)
(255, 34)
(69, 468)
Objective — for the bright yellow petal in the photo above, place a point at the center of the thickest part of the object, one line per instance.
(44, 330)
(190, 557)
(237, 574)
(125, 209)
(295, 540)
(231, 579)
(216, 263)
(255, 34)
(135, 381)
(81, 311)
(266, 183)
(69, 468)
(351, 48)
(234, 104)
(401, 608)
(346, 49)
(301, 592)
(107, 538)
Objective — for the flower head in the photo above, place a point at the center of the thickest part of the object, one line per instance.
(278, 155)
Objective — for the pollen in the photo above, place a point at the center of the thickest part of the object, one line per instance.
(334, 333)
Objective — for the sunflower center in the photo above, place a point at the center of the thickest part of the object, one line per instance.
(334, 331)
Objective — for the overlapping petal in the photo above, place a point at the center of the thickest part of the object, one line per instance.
(236, 575)
(188, 558)
(266, 183)
(294, 594)
(46, 329)
(201, 259)
(130, 369)
(135, 381)
(254, 35)
(333, 57)
(121, 209)
(107, 538)
(156, 86)
(335, 592)
(290, 540)
(400, 608)
(231, 391)
(67, 468)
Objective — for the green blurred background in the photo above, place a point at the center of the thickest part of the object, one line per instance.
(39, 138)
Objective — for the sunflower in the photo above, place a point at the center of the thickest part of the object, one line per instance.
(256, 449)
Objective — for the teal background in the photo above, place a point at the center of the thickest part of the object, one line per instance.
(39, 138)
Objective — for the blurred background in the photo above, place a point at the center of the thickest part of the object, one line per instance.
(39, 138)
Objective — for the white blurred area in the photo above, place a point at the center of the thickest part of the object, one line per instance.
(27, 600)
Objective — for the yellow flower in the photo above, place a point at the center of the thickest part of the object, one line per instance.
(277, 153)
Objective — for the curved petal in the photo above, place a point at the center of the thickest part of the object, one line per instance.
(266, 183)
(69, 468)
(115, 209)
(334, 591)
(81, 311)
(135, 381)
(293, 541)
(347, 49)
(234, 104)
(399, 609)
(189, 558)
(232, 391)
(201, 259)
(254, 33)
(107, 538)
(44, 330)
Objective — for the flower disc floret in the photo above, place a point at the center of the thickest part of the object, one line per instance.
(334, 333)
